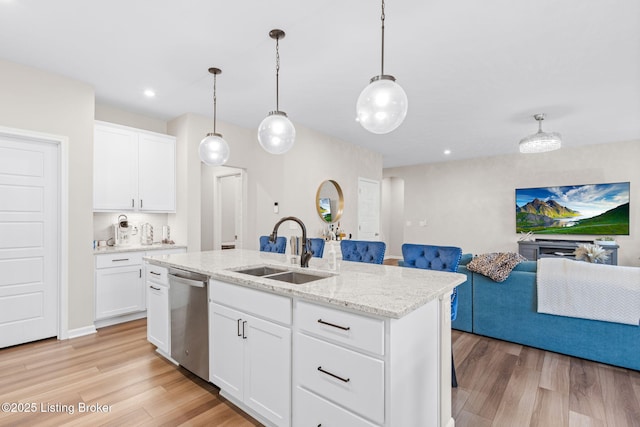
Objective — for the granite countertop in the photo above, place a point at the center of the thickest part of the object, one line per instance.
(135, 248)
(382, 290)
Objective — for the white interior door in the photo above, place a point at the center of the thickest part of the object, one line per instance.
(29, 226)
(368, 209)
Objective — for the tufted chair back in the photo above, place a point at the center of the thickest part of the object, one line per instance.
(363, 251)
(279, 246)
(316, 246)
(441, 258)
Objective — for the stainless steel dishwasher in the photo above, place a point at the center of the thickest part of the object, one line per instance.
(189, 321)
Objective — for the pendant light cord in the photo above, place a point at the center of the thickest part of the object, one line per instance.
(278, 74)
(382, 16)
(214, 103)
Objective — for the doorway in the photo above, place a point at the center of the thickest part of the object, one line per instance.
(32, 249)
(368, 209)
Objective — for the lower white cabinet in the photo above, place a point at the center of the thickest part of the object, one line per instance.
(158, 332)
(119, 284)
(250, 356)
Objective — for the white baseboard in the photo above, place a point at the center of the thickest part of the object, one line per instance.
(80, 332)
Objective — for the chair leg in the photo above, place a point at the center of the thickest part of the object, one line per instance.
(454, 380)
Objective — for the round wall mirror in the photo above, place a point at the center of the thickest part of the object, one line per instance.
(329, 201)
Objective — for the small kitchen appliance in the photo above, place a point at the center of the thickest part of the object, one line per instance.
(122, 231)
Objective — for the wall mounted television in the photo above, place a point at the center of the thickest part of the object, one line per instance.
(592, 209)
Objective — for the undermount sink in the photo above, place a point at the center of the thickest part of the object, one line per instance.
(263, 270)
(282, 274)
(296, 277)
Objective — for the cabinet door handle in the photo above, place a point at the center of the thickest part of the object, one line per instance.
(344, 328)
(133, 203)
(239, 334)
(333, 375)
(140, 203)
(154, 288)
(154, 273)
(244, 337)
(120, 260)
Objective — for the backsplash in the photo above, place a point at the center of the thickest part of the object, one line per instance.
(103, 225)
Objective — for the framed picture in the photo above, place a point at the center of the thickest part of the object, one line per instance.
(592, 209)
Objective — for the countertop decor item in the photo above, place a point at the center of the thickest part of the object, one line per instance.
(276, 133)
(382, 105)
(213, 149)
(540, 141)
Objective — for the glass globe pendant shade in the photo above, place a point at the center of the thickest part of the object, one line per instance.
(276, 133)
(382, 105)
(540, 142)
(213, 150)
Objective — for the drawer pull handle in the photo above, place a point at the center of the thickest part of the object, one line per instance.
(333, 375)
(120, 260)
(154, 273)
(344, 328)
(154, 288)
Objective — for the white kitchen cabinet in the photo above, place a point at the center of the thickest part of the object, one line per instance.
(250, 354)
(158, 325)
(134, 170)
(359, 370)
(119, 284)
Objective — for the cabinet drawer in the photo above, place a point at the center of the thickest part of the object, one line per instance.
(262, 304)
(157, 274)
(348, 378)
(312, 411)
(355, 330)
(119, 259)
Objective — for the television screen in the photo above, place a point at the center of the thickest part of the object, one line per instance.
(325, 209)
(594, 209)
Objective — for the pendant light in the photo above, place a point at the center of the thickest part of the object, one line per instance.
(540, 141)
(276, 133)
(213, 150)
(382, 106)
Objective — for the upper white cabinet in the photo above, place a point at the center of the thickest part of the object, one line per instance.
(133, 170)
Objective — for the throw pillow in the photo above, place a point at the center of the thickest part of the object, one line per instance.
(497, 265)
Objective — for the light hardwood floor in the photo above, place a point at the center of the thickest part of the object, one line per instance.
(500, 384)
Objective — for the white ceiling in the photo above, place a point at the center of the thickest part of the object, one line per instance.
(474, 71)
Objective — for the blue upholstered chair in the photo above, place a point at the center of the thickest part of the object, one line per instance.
(279, 246)
(316, 246)
(441, 258)
(363, 251)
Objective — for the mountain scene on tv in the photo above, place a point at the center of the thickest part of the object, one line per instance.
(595, 209)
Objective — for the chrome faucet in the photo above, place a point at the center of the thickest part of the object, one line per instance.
(305, 256)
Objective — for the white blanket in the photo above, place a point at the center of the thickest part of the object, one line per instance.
(589, 291)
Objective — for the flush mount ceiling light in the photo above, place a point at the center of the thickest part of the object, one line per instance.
(540, 141)
(213, 150)
(382, 106)
(276, 133)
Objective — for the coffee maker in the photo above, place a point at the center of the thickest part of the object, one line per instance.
(122, 231)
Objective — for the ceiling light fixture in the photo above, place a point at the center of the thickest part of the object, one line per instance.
(540, 141)
(213, 150)
(149, 93)
(382, 105)
(276, 133)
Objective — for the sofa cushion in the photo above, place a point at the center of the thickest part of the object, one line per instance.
(497, 265)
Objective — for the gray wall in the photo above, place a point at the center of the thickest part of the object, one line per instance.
(471, 203)
(35, 100)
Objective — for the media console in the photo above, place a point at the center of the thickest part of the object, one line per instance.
(542, 248)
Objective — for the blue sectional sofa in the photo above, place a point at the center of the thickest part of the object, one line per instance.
(508, 311)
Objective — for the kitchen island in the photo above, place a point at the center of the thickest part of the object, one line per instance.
(362, 345)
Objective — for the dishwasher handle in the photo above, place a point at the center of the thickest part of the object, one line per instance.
(183, 280)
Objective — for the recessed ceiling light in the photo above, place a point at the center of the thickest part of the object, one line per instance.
(149, 93)
(447, 152)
